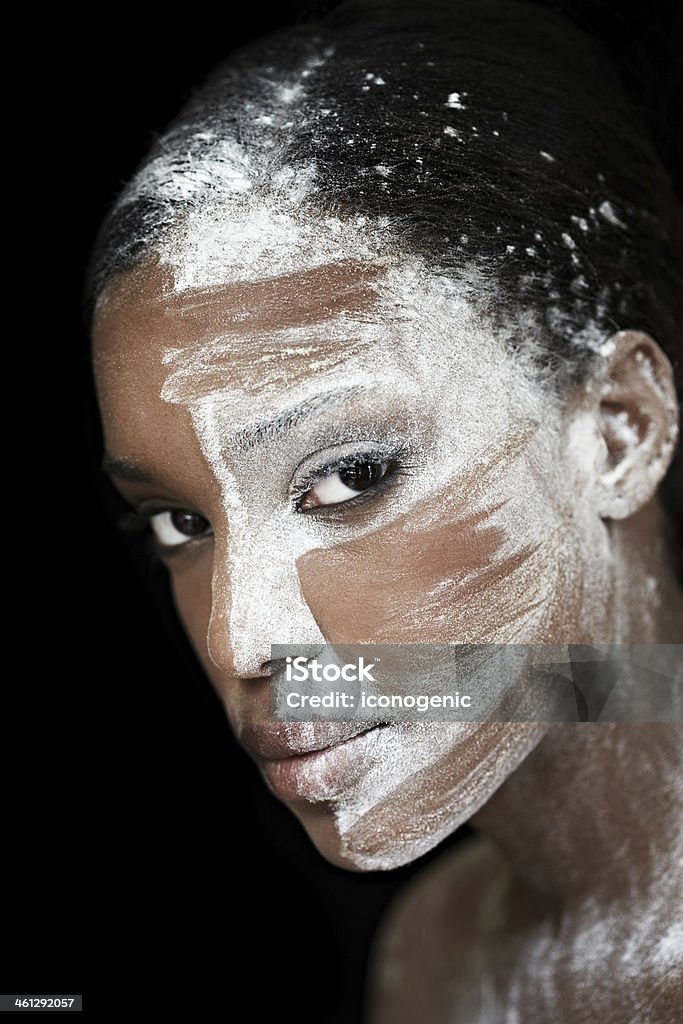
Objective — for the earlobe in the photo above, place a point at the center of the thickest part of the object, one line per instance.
(638, 416)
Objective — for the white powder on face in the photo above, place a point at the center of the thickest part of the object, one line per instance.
(424, 781)
(398, 351)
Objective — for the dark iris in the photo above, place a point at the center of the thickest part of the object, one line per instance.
(190, 524)
(362, 475)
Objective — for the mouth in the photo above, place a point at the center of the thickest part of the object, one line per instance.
(311, 762)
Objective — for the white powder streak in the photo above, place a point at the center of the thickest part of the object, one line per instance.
(401, 753)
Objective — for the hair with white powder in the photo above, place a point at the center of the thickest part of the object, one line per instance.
(490, 139)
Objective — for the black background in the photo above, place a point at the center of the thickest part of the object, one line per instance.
(142, 857)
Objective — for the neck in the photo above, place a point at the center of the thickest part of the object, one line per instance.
(595, 810)
(597, 807)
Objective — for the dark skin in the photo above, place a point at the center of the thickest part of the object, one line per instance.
(563, 830)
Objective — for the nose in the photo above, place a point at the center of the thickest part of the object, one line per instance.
(256, 601)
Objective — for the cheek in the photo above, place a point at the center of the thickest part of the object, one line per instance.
(370, 589)
(191, 589)
(495, 557)
(465, 581)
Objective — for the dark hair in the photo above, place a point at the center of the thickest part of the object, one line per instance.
(492, 133)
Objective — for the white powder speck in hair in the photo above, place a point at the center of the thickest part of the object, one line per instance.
(538, 236)
(453, 133)
(547, 156)
(530, 251)
(383, 170)
(290, 93)
(609, 213)
(568, 240)
(234, 232)
(580, 222)
(454, 101)
(375, 79)
(510, 248)
(495, 132)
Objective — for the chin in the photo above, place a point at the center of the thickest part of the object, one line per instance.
(382, 850)
(427, 782)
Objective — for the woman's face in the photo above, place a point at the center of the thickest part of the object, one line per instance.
(348, 454)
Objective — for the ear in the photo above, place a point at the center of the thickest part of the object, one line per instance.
(638, 415)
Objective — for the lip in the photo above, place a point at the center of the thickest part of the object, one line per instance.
(275, 740)
(311, 762)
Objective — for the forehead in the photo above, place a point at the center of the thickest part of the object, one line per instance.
(141, 310)
(272, 340)
(376, 315)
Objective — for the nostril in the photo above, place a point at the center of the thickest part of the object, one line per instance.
(273, 666)
(252, 670)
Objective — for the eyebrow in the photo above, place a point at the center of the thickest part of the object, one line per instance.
(124, 469)
(279, 426)
(273, 429)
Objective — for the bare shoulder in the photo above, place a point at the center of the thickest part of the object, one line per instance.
(434, 935)
(466, 941)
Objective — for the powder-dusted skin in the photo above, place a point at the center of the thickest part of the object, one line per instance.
(612, 943)
(495, 530)
(290, 300)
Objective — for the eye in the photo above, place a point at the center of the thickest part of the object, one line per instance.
(342, 484)
(174, 527)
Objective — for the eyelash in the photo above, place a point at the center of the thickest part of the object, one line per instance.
(138, 520)
(396, 466)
